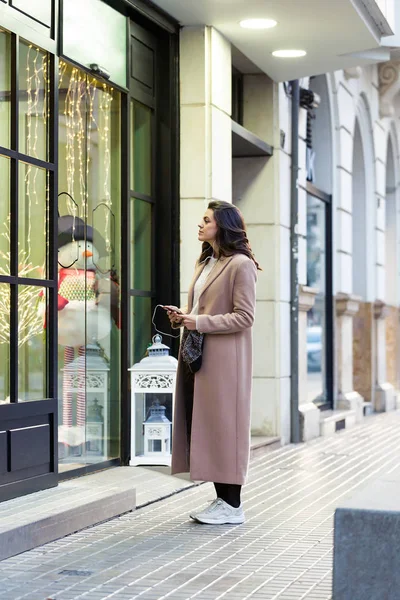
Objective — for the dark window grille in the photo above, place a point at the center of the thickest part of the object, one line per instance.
(237, 96)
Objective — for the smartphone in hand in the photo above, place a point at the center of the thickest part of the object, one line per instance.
(173, 309)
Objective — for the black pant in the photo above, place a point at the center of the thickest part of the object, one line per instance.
(229, 492)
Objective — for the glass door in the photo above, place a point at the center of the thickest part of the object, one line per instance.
(88, 270)
(28, 392)
(319, 317)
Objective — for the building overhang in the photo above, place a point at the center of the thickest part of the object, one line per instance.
(338, 34)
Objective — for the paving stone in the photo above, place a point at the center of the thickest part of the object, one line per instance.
(282, 552)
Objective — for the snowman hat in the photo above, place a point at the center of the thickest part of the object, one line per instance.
(74, 229)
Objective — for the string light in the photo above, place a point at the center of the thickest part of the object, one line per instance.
(30, 323)
(36, 80)
(83, 99)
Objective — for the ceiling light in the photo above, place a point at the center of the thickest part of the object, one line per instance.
(289, 53)
(258, 23)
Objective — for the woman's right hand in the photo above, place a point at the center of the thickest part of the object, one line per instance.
(174, 314)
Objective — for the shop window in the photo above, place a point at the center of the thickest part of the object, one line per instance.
(32, 221)
(141, 169)
(89, 269)
(4, 340)
(316, 316)
(5, 89)
(140, 327)
(40, 10)
(32, 372)
(141, 244)
(141, 228)
(33, 101)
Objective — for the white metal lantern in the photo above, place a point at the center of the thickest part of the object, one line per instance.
(88, 375)
(153, 389)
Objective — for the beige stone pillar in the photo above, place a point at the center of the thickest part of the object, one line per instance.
(206, 134)
(309, 412)
(347, 306)
(385, 397)
(260, 195)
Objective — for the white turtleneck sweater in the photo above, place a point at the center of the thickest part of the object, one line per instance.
(198, 287)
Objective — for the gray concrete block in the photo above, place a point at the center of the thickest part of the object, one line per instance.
(367, 543)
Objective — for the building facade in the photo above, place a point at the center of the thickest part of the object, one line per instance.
(115, 133)
(314, 194)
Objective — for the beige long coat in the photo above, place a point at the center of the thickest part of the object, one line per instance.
(220, 440)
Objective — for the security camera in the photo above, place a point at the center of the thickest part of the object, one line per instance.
(101, 71)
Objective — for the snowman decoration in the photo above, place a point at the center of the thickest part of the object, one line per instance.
(86, 303)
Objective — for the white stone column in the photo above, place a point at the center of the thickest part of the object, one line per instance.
(385, 397)
(261, 191)
(206, 137)
(309, 412)
(347, 306)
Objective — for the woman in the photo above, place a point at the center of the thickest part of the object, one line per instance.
(211, 434)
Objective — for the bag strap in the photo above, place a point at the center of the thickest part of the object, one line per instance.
(157, 330)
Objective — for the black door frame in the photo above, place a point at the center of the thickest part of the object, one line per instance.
(315, 192)
(18, 420)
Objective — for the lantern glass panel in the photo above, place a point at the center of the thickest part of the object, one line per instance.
(143, 403)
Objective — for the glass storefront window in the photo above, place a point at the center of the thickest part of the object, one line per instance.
(141, 131)
(5, 271)
(89, 266)
(33, 101)
(4, 216)
(32, 222)
(316, 316)
(140, 327)
(31, 344)
(141, 244)
(4, 342)
(5, 89)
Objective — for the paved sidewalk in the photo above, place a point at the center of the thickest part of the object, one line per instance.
(283, 551)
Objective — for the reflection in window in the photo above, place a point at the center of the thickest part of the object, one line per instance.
(31, 343)
(89, 263)
(4, 343)
(4, 216)
(140, 327)
(141, 171)
(316, 316)
(33, 101)
(141, 242)
(5, 89)
(32, 221)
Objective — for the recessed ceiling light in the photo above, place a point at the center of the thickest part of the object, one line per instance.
(289, 53)
(258, 23)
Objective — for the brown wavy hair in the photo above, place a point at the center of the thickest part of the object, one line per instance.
(231, 235)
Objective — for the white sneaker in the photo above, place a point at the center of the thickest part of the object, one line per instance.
(220, 513)
(193, 515)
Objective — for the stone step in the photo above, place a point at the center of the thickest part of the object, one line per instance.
(260, 445)
(45, 516)
(335, 420)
